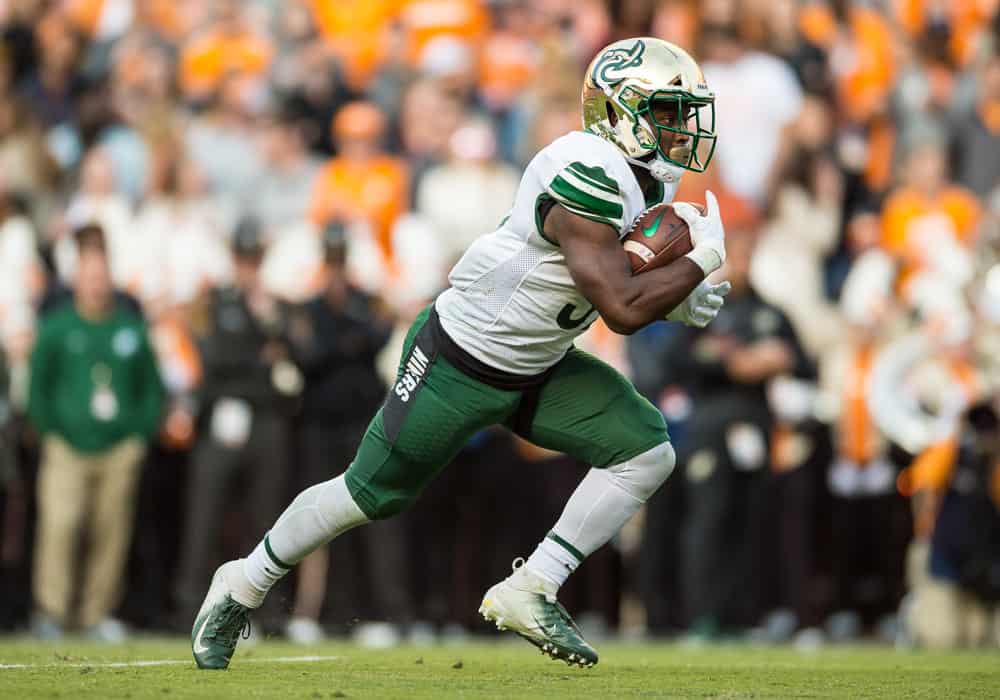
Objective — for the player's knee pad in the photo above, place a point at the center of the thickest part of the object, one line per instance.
(317, 515)
(642, 475)
(336, 504)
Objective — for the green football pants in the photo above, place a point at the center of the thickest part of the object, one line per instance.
(585, 409)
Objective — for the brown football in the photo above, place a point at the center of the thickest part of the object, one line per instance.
(657, 237)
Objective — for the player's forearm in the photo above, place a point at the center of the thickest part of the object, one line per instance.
(652, 295)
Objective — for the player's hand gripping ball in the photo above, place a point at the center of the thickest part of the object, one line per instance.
(657, 237)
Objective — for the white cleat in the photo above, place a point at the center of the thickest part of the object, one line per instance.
(220, 622)
(526, 604)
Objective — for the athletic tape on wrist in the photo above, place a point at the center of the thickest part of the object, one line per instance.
(706, 258)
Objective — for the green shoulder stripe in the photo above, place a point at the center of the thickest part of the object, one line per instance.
(580, 195)
(595, 176)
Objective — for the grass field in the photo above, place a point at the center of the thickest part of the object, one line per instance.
(274, 670)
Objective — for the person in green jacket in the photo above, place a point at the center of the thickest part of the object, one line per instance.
(95, 401)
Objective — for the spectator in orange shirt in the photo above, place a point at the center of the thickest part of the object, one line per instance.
(928, 226)
(426, 20)
(363, 181)
(510, 57)
(927, 199)
(228, 47)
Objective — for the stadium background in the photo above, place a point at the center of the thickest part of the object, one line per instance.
(859, 163)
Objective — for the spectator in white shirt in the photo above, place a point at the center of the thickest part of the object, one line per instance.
(757, 97)
(470, 194)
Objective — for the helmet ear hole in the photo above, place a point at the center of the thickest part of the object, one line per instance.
(612, 114)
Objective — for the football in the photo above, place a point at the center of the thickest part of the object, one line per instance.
(657, 237)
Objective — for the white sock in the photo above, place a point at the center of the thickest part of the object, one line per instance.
(598, 509)
(260, 573)
(552, 562)
(316, 516)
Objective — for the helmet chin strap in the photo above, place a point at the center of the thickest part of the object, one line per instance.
(659, 169)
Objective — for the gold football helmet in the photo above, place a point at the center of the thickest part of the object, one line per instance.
(626, 80)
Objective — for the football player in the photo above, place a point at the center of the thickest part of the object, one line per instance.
(497, 348)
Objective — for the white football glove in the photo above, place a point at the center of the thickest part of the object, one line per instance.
(702, 304)
(707, 234)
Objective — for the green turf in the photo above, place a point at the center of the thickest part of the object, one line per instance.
(72, 670)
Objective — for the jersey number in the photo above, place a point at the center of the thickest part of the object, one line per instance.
(565, 318)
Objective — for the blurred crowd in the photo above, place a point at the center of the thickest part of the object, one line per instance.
(217, 219)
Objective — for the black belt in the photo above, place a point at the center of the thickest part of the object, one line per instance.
(530, 385)
(477, 369)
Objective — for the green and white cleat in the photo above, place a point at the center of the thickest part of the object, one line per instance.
(219, 623)
(526, 604)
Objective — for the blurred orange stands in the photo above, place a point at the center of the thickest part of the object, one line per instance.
(969, 20)
(357, 33)
(216, 55)
(862, 60)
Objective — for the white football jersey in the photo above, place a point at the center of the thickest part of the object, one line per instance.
(512, 303)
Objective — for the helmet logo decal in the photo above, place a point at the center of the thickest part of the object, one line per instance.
(608, 69)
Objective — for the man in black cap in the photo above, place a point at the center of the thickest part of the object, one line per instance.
(250, 389)
(335, 340)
